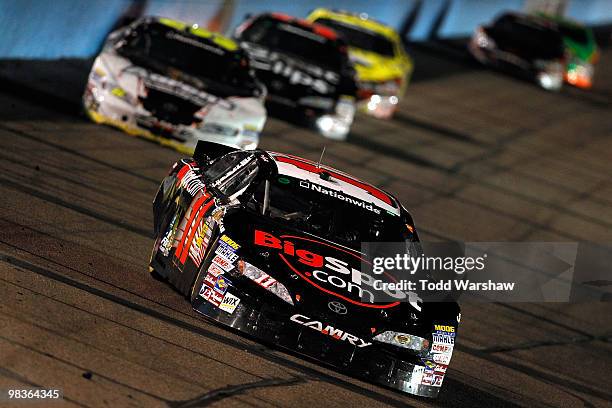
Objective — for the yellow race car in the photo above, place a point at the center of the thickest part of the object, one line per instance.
(383, 67)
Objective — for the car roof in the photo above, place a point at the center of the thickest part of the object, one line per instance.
(532, 19)
(194, 29)
(307, 170)
(315, 28)
(358, 20)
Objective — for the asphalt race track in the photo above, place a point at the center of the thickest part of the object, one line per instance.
(473, 155)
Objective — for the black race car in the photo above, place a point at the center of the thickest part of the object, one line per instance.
(305, 67)
(528, 45)
(269, 244)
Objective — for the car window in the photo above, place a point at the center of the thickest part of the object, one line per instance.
(232, 172)
(327, 216)
(295, 40)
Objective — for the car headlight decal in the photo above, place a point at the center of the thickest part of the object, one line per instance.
(345, 109)
(264, 280)
(403, 340)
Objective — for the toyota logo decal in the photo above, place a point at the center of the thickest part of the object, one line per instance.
(337, 307)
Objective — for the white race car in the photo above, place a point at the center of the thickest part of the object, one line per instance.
(176, 84)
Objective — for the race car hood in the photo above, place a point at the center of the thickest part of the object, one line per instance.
(131, 81)
(323, 277)
(375, 67)
(248, 113)
(289, 76)
(582, 51)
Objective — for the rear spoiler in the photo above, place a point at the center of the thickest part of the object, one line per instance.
(205, 151)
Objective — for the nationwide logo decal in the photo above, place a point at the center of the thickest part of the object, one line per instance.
(336, 194)
(329, 330)
(328, 274)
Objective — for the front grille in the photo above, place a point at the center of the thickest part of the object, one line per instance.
(170, 108)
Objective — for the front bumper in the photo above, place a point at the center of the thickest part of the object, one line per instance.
(103, 107)
(580, 75)
(379, 106)
(273, 325)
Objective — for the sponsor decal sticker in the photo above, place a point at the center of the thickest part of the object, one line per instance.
(443, 338)
(168, 239)
(199, 243)
(442, 358)
(226, 252)
(230, 242)
(189, 179)
(222, 284)
(210, 279)
(444, 330)
(223, 263)
(328, 274)
(329, 330)
(441, 348)
(417, 376)
(178, 88)
(339, 195)
(215, 298)
(205, 290)
(321, 80)
(432, 379)
(229, 303)
(214, 270)
(210, 295)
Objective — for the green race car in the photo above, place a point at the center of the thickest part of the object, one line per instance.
(581, 50)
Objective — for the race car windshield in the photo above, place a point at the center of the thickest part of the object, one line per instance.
(361, 38)
(298, 42)
(576, 34)
(345, 220)
(534, 39)
(161, 48)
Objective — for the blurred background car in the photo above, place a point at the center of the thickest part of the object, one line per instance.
(581, 50)
(523, 44)
(305, 67)
(383, 67)
(176, 83)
